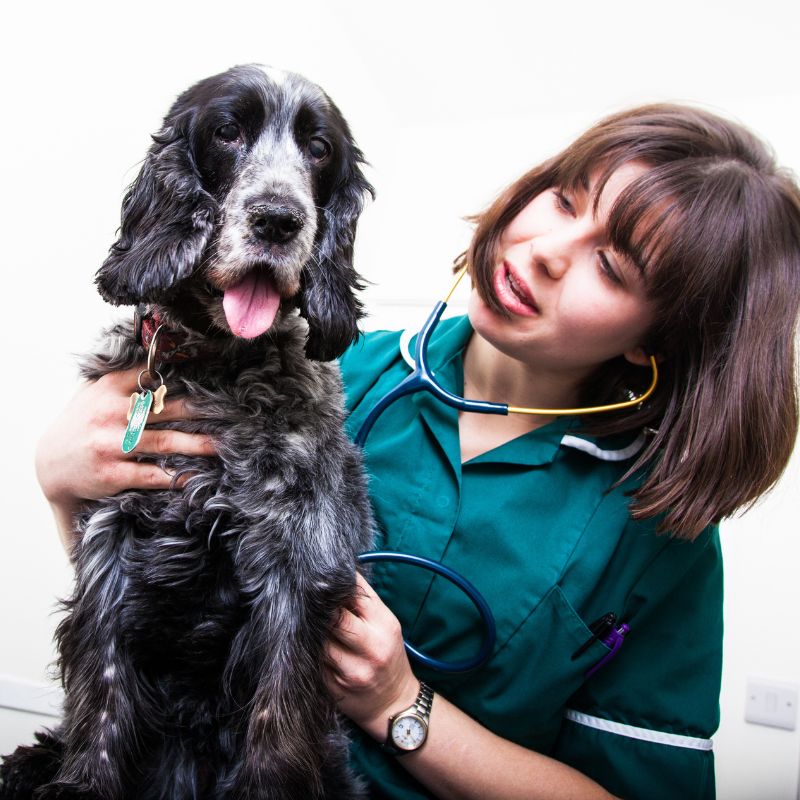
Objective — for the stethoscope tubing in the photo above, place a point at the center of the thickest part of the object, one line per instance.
(421, 379)
(490, 635)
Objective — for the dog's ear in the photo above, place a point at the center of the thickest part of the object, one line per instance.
(167, 220)
(329, 283)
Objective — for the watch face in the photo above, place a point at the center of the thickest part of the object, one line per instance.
(408, 733)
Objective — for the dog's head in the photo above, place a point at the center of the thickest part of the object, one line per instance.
(247, 202)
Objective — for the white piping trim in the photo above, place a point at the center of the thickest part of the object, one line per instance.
(605, 455)
(405, 347)
(568, 441)
(644, 734)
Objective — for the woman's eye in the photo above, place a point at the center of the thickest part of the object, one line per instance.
(607, 269)
(228, 133)
(563, 202)
(318, 148)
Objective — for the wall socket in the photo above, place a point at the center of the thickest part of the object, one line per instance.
(771, 703)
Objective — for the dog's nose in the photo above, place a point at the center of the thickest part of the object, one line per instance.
(275, 224)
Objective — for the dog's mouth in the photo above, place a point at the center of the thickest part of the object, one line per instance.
(250, 304)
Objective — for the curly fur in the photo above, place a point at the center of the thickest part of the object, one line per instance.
(191, 652)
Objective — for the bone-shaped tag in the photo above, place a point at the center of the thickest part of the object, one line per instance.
(158, 401)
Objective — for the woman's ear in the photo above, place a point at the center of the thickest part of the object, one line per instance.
(639, 356)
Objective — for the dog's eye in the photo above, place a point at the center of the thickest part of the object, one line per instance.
(227, 132)
(318, 148)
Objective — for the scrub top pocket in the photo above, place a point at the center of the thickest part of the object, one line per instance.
(543, 644)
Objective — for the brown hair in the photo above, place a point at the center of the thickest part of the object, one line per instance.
(715, 227)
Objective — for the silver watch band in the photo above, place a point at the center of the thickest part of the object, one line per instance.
(422, 708)
(424, 701)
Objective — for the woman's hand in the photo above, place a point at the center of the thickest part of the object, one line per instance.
(369, 675)
(80, 456)
(368, 670)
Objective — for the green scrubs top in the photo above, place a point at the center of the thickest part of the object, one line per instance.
(535, 525)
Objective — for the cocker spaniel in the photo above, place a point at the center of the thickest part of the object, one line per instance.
(192, 648)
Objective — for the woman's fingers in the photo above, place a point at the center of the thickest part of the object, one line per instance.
(164, 442)
(146, 476)
(348, 670)
(176, 409)
(350, 630)
(80, 456)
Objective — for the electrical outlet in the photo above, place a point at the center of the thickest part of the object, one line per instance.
(771, 703)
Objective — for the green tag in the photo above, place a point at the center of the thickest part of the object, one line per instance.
(141, 408)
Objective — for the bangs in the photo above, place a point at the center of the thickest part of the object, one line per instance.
(686, 227)
(648, 216)
(649, 220)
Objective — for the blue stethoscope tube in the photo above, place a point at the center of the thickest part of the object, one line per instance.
(490, 635)
(421, 379)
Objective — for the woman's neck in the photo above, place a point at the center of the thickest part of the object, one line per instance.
(491, 375)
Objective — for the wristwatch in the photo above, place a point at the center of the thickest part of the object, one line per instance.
(408, 729)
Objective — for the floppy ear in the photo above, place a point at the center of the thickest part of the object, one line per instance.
(329, 282)
(167, 219)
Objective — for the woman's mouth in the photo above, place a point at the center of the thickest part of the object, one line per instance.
(513, 293)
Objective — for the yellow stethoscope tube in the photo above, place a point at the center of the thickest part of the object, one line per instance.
(556, 412)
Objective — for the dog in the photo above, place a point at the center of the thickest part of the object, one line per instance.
(192, 649)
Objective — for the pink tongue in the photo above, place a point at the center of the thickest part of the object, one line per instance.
(250, 306)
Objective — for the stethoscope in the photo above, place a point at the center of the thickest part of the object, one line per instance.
(422, 380)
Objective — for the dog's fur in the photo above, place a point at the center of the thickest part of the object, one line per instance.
(192, 651)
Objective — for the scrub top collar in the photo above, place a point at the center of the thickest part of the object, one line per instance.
(535, 448)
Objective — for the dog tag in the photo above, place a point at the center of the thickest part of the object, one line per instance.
(139, 410)
(158, 399)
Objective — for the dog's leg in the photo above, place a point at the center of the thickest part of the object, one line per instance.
(106, 703)
(338, 780)
(297, 568)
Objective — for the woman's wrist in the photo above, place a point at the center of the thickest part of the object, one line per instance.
(377, 724)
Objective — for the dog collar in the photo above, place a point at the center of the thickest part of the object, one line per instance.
(146, 321)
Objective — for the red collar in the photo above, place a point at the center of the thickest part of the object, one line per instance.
(146, 321)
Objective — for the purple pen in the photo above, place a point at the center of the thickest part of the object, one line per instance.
(613, 640)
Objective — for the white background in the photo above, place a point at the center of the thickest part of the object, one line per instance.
(449, 101)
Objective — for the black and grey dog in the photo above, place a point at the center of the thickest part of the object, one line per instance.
(192, 650)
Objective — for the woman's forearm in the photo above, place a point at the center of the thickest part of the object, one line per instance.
(65, 523)
(369, 674)
(462, 760)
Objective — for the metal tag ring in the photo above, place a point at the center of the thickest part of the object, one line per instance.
(151, 353)
(139, 378)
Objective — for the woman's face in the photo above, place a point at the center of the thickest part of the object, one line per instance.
(574, 302)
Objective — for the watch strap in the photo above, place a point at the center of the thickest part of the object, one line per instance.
(422, 708)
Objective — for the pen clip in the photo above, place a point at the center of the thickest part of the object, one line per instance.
(600, 628)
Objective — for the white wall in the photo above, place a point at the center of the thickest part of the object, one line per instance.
(449, 101)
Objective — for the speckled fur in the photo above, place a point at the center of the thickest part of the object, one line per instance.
(192, 650)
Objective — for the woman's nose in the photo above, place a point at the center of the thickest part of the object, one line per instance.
(552, 255)
(556, 250)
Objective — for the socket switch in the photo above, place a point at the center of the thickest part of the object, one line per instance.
(771, 703)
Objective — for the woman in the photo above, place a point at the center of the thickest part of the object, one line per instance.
(662, 231)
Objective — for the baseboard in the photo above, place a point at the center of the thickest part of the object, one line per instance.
(36, 698)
